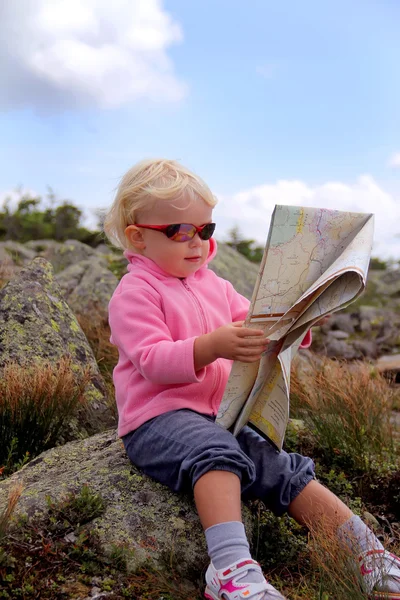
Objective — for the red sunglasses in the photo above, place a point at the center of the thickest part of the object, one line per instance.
(183, 232)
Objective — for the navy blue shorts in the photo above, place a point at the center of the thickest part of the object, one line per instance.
(178, 447)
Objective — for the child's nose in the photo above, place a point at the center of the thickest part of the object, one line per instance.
(195, 241)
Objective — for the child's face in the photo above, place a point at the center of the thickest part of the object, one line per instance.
(179, 259)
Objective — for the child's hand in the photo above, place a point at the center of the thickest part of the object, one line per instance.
(229, 341)
(238, 343)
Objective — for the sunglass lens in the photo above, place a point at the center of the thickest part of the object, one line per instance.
(207, 231)
(172, 231)
(181, 232)
(184, 232)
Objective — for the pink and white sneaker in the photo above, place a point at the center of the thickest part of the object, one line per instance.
(230, 583)
(381, 574)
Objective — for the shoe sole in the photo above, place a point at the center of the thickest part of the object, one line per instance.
(385, 596)
(209, 595)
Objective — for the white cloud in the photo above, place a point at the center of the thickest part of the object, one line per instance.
(251, 209)
(394, 161)
(69, 53)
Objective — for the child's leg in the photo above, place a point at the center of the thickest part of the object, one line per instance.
(218, 501)
(218, 498)
(381, 570)
(315, 503)
(285, 483)
(184, 450)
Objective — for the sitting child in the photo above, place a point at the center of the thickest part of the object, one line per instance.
(178, 327)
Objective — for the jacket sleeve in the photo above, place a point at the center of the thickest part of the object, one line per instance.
(147, 342)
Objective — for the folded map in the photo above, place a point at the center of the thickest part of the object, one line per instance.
(315, 263)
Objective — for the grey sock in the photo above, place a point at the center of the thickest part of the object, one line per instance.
(357, 536)
(227, 543)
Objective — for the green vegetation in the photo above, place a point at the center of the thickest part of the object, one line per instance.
(248, 248)
(347, 408)
(376, 264)
(56, 556)
(340, 418)
(35, 219)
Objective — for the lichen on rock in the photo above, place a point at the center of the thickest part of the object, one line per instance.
(36, 325)
(160, 528)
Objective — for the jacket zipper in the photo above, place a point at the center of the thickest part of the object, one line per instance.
(199, 307)
(204, 326)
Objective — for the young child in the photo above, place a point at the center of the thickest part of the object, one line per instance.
(178, 326)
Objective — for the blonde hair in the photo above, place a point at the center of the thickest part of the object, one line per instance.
(145, 183)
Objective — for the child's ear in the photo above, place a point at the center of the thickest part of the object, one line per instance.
(135, 237)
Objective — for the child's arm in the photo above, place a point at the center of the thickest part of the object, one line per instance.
(229, 341)
(217, 345)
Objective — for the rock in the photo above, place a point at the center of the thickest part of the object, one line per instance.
(233, 266)
(338, 335)
(370, 520)
(37, 325)
(68, 253)
(388, 363)
(161, 527)
(103, 249)
(341, 349)
(41, 246)
(87, 287)
(18, 252)
(368, 348)
(339, 321)
(390, 367)
(391, 280)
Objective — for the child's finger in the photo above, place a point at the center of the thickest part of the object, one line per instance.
(247, 332)
(254, 342)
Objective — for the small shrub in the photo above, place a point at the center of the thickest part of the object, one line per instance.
(76, 509)
(35, 403)
(348, 410)
(278, 541)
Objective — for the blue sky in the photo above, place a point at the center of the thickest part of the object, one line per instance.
(270, 102)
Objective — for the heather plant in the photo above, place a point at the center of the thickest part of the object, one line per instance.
(36, 402)
(347, 409)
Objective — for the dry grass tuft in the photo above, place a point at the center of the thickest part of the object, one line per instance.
(36, 402)
(13, 498)
(339, 575)
(349, 409)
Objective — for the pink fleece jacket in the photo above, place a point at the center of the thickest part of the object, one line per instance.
(155, 319)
